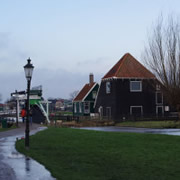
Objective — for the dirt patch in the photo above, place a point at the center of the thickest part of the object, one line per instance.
(86, 123)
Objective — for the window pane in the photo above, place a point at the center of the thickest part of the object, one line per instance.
(94, 94)
(135, 85)
(159, 98)
(86, 107)
(80, 110)
(136, 110)
(108, 87)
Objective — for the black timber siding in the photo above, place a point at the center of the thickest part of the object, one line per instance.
(121, 98)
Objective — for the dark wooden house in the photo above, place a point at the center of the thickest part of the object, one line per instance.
(129, 90)
(83, 103)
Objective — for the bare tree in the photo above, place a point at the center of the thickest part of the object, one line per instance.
(73, 94)
(162, 55)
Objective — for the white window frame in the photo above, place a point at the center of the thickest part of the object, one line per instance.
(108, 87)
(86, 111)
(80, 107)
(158, 87)
(75, 108)
(136, 107)
(157, 98)
(157, 109)
(131, 90)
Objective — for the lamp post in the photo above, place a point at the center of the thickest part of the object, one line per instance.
(28, 69)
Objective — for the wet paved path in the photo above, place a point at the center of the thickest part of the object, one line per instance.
(15, 166)
(135, 130)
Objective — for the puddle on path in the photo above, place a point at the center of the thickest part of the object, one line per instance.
(18, 165)
(170, 131)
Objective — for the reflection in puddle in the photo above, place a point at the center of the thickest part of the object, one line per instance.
(27, 163)
(15, 155)
(171, 131)
(24, 167)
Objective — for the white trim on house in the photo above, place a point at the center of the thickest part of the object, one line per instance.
(80, 107)
(24, 97)
(134, 81)
(136, 107)
(158, 87)
(75, 108)
(111, 78)
(100, 110)
(97, 95)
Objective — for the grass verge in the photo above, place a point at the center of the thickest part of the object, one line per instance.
(150, 124)
(7, 129)
(92, 155)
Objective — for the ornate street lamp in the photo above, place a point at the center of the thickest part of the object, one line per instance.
(28, 69)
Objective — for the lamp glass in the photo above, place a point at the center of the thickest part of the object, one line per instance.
(28, 69)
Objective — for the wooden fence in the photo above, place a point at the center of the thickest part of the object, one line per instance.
(105, 118)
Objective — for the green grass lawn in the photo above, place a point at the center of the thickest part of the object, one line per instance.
(150, 124)
(73, 154)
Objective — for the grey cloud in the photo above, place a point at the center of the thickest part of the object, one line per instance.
(4, 40)
(93, 61)
(9, 49)
(56, 83)
(59, 83)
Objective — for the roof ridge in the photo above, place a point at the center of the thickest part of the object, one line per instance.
(142, 65)
(122, 59)
(129, 66)
(117, 64)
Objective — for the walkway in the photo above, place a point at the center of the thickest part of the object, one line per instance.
(18, 131)
(15, 166)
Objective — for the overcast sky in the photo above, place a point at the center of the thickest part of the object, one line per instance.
(68, 39)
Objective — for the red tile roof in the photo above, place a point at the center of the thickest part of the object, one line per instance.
(128, 67)
(84, 92)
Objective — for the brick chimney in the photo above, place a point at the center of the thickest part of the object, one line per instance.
(91, 78)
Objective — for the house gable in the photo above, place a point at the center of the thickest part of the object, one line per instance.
(89, 95)
(83, 103)
(84, 91)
